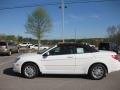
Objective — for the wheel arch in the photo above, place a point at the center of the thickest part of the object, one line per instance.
(30, 63)
(98, 63)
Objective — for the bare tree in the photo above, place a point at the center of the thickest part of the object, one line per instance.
(38, 24)
(114, 34)
(112, 30)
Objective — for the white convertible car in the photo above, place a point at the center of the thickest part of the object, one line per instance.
(68, 58)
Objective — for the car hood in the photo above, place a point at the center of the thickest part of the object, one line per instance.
(30, 55)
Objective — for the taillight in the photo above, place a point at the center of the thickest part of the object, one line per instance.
(115, 57)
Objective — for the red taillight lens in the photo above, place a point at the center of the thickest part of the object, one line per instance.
(115, 57)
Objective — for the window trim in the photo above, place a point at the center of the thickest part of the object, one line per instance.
(85, 48)
(62, 54)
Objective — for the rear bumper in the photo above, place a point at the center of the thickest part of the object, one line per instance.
(4, 51)
(115, 67)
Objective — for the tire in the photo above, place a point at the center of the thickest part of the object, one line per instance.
(18, 51)
(9, 53)
(97, 72)
(30, 70)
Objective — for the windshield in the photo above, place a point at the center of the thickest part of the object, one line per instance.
(44, 50)
(36, 45)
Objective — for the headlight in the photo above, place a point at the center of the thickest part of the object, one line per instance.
(18, 58)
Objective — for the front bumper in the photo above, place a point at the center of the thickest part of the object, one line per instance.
(16, 67)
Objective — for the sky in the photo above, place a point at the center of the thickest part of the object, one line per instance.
(88, 20)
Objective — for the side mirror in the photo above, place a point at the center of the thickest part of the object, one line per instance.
(46, 54)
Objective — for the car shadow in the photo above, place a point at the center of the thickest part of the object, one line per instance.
(3, 55)
(6, 54)
(65, 76)
(9, 72)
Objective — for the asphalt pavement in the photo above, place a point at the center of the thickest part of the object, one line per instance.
(13, 81)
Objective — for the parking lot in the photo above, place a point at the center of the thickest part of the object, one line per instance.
(12, 81)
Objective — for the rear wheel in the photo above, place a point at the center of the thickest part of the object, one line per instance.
(30, 70)
(97, 72)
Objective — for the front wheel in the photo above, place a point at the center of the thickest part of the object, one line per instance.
(9, 53)
(30, 70)
(18, 51)
(97, 72)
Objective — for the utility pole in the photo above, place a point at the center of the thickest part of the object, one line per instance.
(75, 35)
(62, 8)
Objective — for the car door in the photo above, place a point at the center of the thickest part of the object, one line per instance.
(84, 58)
(61, 60)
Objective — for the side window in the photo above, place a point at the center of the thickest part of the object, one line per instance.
(61, 50)
(79, 50)
(84, 49)
(11, 44)
(55, 51)
(67, 50)
(88, 49)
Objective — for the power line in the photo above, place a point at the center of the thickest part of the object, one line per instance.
(58, 3)
(25, 6)
(90, 1)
